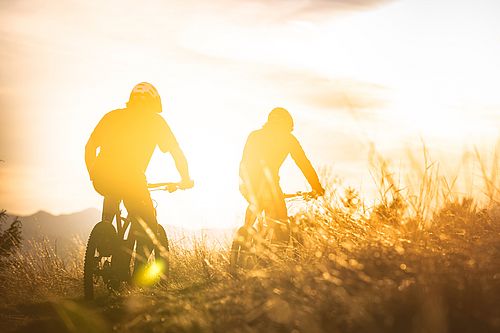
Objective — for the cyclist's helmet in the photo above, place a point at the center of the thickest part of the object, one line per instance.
(280, 117)
(145, 96)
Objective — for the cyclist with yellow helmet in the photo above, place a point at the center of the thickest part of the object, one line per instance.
(126, 139)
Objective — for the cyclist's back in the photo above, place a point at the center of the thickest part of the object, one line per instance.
(265, 151)
(127, 139)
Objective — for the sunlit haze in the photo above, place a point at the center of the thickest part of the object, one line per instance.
(385, 73)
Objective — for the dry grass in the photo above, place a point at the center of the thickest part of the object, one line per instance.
(422, 259)
(37, 273)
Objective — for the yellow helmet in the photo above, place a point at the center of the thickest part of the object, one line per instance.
(280, 117)
(145, 96)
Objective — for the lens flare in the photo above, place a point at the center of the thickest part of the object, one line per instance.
(151, 274)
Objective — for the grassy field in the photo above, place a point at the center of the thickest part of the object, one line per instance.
(422, 259)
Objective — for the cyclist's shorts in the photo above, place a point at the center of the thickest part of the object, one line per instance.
(133, 192)
(117, 185)
(263, 196)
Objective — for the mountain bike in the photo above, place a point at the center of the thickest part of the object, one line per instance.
(110, 250)
(256, 245)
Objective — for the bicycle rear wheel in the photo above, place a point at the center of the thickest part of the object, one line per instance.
(97, 261)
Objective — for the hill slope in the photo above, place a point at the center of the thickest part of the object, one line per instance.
(65, 226)
(64, 229)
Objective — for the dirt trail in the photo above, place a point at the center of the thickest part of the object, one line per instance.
(129, 312)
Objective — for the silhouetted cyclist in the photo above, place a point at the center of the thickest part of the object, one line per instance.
(265, 151)
(126, 139)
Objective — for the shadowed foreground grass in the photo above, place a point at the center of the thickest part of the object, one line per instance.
(403, 265)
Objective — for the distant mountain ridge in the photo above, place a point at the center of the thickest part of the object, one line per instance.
(44, 224)
(63, 229)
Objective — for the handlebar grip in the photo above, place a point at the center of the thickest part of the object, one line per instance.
(170, 187)
(305, 195)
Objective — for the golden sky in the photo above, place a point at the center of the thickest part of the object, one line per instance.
(352, 73)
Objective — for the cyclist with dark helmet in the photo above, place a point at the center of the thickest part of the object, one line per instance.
(265, 151)
(126, 139)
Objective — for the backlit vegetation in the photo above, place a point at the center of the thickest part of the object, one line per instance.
(423, 258)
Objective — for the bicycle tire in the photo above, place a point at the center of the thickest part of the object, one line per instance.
(242, 251)
(297, 236)
(101, 242)
(162, 251)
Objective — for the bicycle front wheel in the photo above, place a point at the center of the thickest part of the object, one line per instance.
(162, 251)
(97, 261)
(243, 252)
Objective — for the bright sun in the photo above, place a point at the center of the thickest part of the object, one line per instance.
(214, 201)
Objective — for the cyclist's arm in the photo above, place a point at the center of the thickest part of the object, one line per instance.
(168, 143)
(181, 163)
(300, 158)
(93, 143)
(90, 155)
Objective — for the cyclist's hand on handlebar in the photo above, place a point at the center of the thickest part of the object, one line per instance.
(186, 184)
(319, 192)
(171, 187)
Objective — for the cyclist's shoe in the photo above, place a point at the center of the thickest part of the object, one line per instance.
(318, 192)
(242, 234)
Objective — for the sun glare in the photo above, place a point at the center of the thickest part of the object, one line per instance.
(337, 166)
(438, 81)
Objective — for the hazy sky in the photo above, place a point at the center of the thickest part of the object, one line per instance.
(351, 72)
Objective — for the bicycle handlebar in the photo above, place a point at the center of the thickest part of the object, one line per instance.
(305, 195)
(170, 187)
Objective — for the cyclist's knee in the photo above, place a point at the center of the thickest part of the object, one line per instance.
(250, 216)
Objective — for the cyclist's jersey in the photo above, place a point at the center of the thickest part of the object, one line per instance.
(127, 140)
(264, 153)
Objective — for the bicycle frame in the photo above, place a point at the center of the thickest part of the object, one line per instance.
(261, 220)
(109, 250)
(251, 245)
(111, 208)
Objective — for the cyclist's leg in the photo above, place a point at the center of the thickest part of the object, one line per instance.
(110, 206)
(250, 216)
(142, 212)
(247, 229)
(108, 189)
(250, 197)
(277, 216)
(252, 211)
